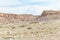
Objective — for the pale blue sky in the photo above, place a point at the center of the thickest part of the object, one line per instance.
(28, 6)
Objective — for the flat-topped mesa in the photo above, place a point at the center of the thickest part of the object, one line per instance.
(50, 12)
(49, 15)
(14, 15)
(46, 15)
(13, 18)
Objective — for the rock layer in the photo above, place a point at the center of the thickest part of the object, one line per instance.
(46, 15)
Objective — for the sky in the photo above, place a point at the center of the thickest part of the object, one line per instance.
(34, 7)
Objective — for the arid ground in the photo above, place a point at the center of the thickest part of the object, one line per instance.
(30, 27)
(33, 31)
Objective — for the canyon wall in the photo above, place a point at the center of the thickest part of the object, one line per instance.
(46, 15)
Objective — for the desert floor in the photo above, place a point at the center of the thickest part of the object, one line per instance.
(33, 31)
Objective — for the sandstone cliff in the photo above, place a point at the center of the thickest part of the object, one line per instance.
(12, 18)
(46, 15)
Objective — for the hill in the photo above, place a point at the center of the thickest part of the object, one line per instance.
(47, 15)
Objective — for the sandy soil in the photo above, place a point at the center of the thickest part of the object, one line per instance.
(34, 31)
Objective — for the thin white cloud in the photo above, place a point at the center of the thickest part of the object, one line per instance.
(38, 0)
(35, 10)
(32, 9)
(4, 3)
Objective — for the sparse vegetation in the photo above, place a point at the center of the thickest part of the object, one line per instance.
(31, 32)
(13, 27)
(35, 30)
(0, 26)
(22, 26)
(29, 28)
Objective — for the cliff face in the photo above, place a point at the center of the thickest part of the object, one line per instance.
(16, 18)
(46, 15)
(50, 12)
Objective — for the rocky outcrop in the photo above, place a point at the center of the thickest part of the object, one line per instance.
(12, 18)
(46, 15)
(50, 12)
(49, 15)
